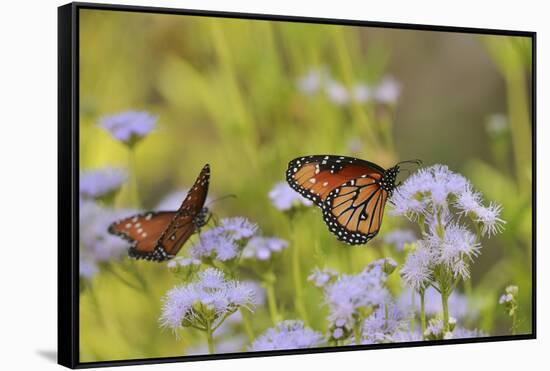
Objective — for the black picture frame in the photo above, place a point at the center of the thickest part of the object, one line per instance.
(68, 180)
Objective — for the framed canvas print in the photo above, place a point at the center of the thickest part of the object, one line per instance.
(241, 185)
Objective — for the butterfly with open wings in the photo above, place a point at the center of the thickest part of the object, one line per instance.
(351, 192)
(159, 236)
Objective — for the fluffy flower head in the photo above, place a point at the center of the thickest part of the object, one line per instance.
(101, 182)
(285, 198)
(262, 248)
(129, 127)
(288, 335)
(210, 298)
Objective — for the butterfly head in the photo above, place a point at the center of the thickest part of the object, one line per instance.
(387, 182)
(392, 173)
(201, 218)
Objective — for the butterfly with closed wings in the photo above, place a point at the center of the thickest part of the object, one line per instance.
(159, 236)
(351, 192)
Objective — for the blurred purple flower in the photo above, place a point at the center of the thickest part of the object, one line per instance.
(381, 325)
(225, 241)
(459, 305)
(285, 198)
(406, 336)
(87, 268)
(287, 335)
(101, 182)
(321, 277)
(211, 297)
(129, 127)
(497, 124)
(214, 243)
(435, 329)
(337, 93)
(262, 248)
(97, 243)
(399, 238)
(361, 93)
(355, 145)
(387, 91)
(238, 227)
(463, 333)
(312, 81)
(353, 293)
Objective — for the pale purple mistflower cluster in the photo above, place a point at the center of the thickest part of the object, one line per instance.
(288, 335)
(386, 321)
(417, 269)
(386, 91)
(263, 248)
(312, 81)
(399, 237)
(101, 182)
(225, 241)
(97, 244)
(349, 295)
(322, 277)
(437, 189)
(285, 198)
(208, 300)
(129, 127)
(445, 206)
(442, 200)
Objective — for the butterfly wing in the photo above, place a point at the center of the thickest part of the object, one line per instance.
(353, 212)
(142, 231)
(159, 236)
(196, 197)
(314, 177)
(188, 218)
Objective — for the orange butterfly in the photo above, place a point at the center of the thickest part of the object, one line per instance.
(159, 236)
(351, 192)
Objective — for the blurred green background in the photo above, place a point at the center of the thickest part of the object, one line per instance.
(227, 93)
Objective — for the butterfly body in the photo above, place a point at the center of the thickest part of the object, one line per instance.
(158, 236)
(351, 192)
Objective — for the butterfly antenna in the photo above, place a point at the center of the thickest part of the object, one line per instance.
(416, 162)
(221, 198)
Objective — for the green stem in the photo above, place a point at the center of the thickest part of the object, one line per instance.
(514, 322)
(271, 301)
(468, 287)
(210, 337)
(297, 276)
(422, 313)
(357, 332)
(247, 325)
(445, 304)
